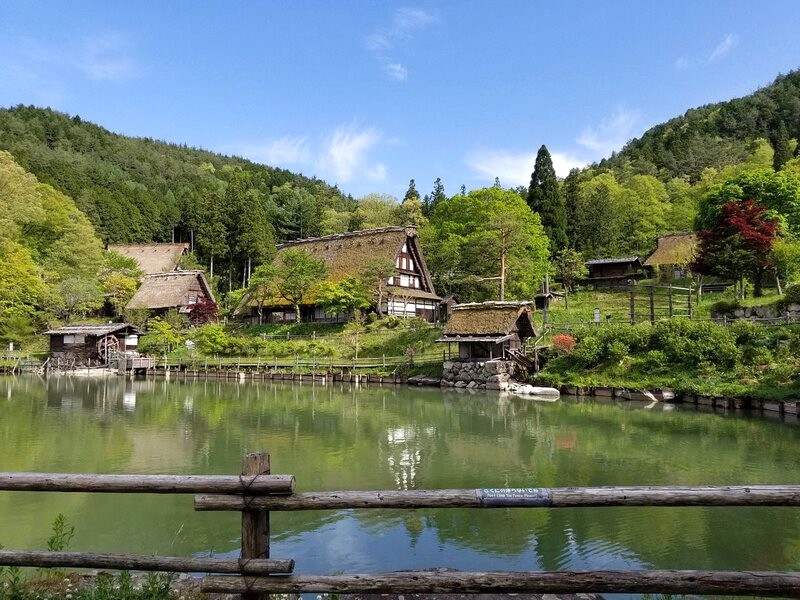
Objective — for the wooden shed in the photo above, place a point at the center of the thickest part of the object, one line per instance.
(487, 330)
(611, 272)
(91, 345)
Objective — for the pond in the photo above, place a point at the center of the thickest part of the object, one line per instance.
(339, 438)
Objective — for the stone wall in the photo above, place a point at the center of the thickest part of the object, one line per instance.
(489, 374)
(766, 311)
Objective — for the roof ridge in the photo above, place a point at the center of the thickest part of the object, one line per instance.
(348, 234)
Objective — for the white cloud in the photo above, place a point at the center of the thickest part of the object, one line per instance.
(728, 43)
(722, 49)
(388, 40)
(342, 155)
(682, 63)
(515, 168)
(611, 134)
(278, 152)
(396, 71)
(106, 58)
(346, 152)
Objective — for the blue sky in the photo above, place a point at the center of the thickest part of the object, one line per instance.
(370, 94)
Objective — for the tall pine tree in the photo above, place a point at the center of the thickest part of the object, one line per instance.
(545, 198)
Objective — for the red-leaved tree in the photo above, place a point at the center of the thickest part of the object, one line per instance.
(739, 244)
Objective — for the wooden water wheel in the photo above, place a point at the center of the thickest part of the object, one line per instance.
(106, 346)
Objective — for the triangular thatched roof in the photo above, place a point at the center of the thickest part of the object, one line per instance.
(348, 255)
(153, 258)
(171, 290)
(673, 249)
(490, 319)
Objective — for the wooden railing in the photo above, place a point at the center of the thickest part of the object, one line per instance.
(256, 492)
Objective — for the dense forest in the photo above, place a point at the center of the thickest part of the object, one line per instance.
(679, 176)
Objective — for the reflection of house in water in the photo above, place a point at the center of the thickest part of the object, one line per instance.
(405, 454)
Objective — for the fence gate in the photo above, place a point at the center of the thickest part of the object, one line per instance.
(655, 302)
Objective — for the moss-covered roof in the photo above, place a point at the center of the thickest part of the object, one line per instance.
(490, 319)
(152, 258)
(673, 249)
(170, 290)
(349, 254)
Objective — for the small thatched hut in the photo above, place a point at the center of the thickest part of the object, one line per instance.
(408, 293)
(674, 254)
(153, 258)
(487, 330)
(87, 345)
(180, 290)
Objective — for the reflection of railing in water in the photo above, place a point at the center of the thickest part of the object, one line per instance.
(256, 492)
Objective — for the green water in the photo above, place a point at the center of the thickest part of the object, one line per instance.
(336, 437)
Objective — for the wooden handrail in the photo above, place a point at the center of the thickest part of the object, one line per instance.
(756, 583)
(755, 495)
(148, 484)
(172, 564)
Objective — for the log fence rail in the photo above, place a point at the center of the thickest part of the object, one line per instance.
(256, 492)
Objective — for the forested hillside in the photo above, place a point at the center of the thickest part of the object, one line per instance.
(142, 190)
(717, 135)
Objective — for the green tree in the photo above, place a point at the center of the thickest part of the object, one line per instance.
(261, 288)
(569, 267)
(436, 197)
(296, 273)
(571, 202)
(376, 210)
(348, 295)
(484, 242)
(161, 336)
(544, 197)
(781, 146)
(376, 276)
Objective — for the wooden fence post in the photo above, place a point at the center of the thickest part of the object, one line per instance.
(670, 301)
(255, 523)
(652, 305)
(633, 306)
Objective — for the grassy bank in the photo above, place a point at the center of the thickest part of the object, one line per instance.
(378, 345)
(743, 359)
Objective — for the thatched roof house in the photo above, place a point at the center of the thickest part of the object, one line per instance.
(153, 258)
(409, 291)
(675, 251)
(180, 290)
(487, 329)
(86, 345)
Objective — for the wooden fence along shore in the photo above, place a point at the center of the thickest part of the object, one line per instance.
(256, 491)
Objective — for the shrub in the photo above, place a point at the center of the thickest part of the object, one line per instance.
(563, 343)
(617, 350)
(655, 360)
(792, 294)
(723, 307)
(588, 352)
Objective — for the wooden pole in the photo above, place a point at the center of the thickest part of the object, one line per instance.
(633, 307)
(255, 521)
(148, 484)
(756, 495)
(172, 564)
(756, 583)
(652, 305)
